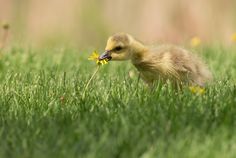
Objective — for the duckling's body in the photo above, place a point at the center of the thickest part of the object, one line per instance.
(171, 63)
(162, 63)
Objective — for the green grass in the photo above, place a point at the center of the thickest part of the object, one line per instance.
(42, 113)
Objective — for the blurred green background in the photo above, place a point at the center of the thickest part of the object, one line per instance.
(88, 23)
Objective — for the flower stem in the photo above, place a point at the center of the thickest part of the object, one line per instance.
(4, 39)
(89, 81)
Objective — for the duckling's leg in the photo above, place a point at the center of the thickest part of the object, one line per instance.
(149, 83)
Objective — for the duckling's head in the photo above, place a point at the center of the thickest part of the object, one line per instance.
(118, 47)
(122, 46)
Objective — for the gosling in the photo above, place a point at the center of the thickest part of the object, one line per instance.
(165, 63)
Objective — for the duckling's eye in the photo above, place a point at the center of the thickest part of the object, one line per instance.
(118, 48)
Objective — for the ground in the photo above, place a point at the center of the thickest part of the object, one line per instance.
(43, 114)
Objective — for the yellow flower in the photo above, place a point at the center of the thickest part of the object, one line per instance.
(233, 37)
(95, 57)
(195, 41)
(197, 90)
(5, 26)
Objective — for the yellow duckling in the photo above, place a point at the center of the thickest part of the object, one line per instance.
(162, 63)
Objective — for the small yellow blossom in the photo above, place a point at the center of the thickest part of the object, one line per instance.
(5, 26)
(233, 37)
(95, 57)
(197, 90)
(195, 41)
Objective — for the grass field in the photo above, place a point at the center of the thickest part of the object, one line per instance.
(42, 113)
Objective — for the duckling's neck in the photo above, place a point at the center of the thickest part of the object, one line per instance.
(139, 50)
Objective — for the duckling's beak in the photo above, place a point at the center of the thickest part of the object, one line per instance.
(105, 55)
